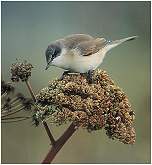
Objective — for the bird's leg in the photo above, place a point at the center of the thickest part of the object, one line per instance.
(64, 73)
(89, 76)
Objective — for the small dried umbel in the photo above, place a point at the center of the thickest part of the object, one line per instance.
(12, 103)
(21, 71)
(6, 88)
(97, 105)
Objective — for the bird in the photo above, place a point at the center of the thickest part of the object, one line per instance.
(80, 53)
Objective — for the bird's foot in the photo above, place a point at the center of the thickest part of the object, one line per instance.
(89, 76)
(64, 73)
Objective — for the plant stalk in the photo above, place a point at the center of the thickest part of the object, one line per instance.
(44, 123)
(30, 90)
(49, 133)
(59, 144)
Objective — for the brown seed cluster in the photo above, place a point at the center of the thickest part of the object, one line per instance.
(21, 71)
(97, 105)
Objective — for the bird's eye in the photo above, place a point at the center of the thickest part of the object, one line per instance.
(57, 51)
(49, 54)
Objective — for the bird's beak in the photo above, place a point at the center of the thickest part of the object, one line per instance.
(48, 65)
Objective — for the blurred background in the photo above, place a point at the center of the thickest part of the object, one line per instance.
(28, 28)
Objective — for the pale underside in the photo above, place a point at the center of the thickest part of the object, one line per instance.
(75, 62)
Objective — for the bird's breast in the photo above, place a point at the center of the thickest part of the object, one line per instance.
(77, 63)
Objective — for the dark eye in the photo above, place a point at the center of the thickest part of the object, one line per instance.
(57, 51)
(48, 54)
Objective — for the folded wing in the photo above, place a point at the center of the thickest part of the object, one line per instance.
(87, 48)
(73, 40)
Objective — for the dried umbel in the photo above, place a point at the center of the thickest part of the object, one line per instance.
(12, 103)
(21, 71)
(97, 105)
(6, 88)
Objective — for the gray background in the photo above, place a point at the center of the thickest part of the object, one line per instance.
(27, 29)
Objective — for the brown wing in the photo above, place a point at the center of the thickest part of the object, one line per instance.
(73, 40)
(90, 47)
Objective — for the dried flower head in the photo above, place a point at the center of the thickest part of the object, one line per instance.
(13, 103)
(21, 71)
(97, 105)
(6, 87)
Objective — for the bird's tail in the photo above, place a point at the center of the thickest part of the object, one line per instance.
(123, 40)
(115, 43)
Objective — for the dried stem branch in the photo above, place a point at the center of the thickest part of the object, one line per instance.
(8, 114)
(59, 144)
(44, 123)
(13, 121)
(30, 90)
(49, 133)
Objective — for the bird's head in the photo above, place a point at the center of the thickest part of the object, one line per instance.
(51, 53)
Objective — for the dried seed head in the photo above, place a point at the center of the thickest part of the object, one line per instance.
(21, 71)
(12, 103)
(101, 104)
(6, 87)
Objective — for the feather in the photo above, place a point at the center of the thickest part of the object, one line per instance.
(87, 48)
(73, 40)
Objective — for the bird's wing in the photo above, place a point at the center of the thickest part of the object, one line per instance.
(87, 48)
(73, 40)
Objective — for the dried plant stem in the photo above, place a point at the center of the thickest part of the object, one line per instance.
(30, 90)
(13, 121)
(11, 113)
(18, 117)
(49, 133)
(44, 123)
(59, 144)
